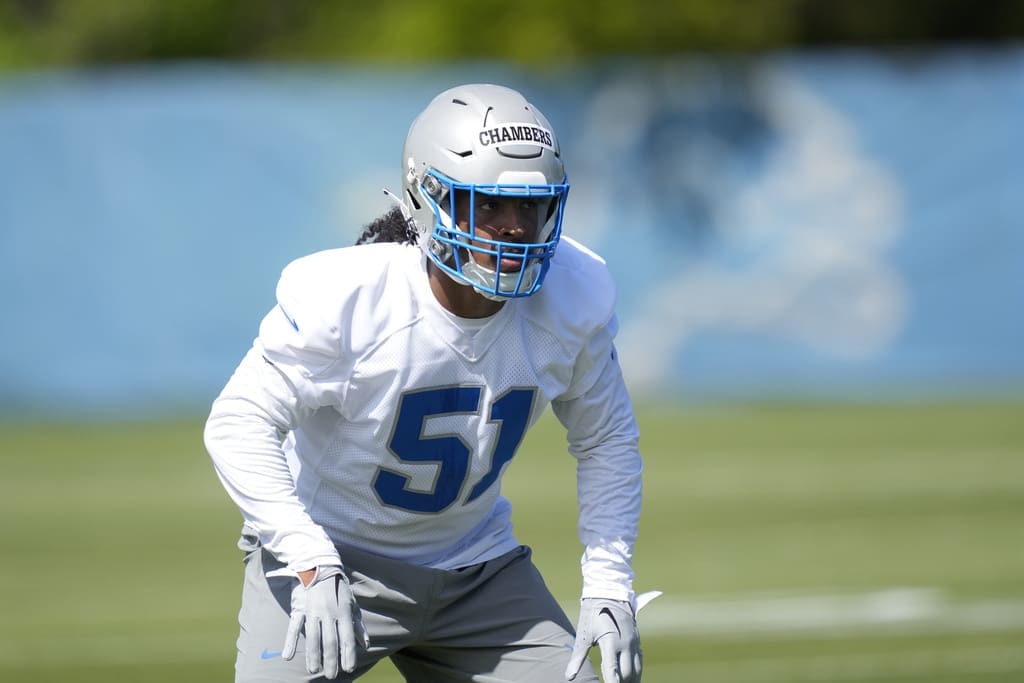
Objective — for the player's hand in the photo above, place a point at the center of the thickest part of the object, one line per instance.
(332, 621)
(611, 625)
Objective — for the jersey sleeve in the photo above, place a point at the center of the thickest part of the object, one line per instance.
(291, 371)
(604, 438)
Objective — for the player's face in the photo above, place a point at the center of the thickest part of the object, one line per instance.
(506, 219)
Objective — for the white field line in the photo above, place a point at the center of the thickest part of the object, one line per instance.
(819, 615)
(888, 611)
(919, 664)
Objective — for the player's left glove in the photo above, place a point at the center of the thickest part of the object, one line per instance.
(611, 625)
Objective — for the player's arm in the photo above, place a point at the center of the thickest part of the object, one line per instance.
(604, 438)
(285, 377)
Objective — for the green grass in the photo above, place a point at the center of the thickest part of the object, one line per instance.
(119, 561)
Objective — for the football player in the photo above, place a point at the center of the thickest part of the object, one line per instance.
(365, 434)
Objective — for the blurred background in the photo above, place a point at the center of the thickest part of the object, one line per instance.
(814, 213)
(798, 198)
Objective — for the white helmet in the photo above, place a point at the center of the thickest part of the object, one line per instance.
(483, 139)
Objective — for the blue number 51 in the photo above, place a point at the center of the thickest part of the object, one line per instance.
(408, 444)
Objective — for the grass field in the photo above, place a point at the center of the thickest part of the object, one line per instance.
(862, 543)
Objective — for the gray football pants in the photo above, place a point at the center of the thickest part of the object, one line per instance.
(494, 622)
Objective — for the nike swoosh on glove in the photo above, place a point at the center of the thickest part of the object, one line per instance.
(611, 625)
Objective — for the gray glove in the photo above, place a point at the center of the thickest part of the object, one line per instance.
(611, 625)
(332, 621)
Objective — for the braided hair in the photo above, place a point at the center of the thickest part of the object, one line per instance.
(392, 226)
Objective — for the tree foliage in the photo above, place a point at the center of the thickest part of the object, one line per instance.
(36, 33)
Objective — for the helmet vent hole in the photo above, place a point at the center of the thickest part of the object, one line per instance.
(412, 199)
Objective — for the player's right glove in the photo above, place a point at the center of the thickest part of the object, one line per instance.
(332, 620)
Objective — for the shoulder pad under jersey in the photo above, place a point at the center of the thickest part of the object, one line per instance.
(332, 299)
(579, 293)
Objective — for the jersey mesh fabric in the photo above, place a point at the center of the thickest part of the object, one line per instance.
(503, 356)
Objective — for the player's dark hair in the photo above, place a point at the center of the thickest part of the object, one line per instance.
(393, 226)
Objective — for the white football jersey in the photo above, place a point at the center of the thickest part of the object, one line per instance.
(365, 414)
